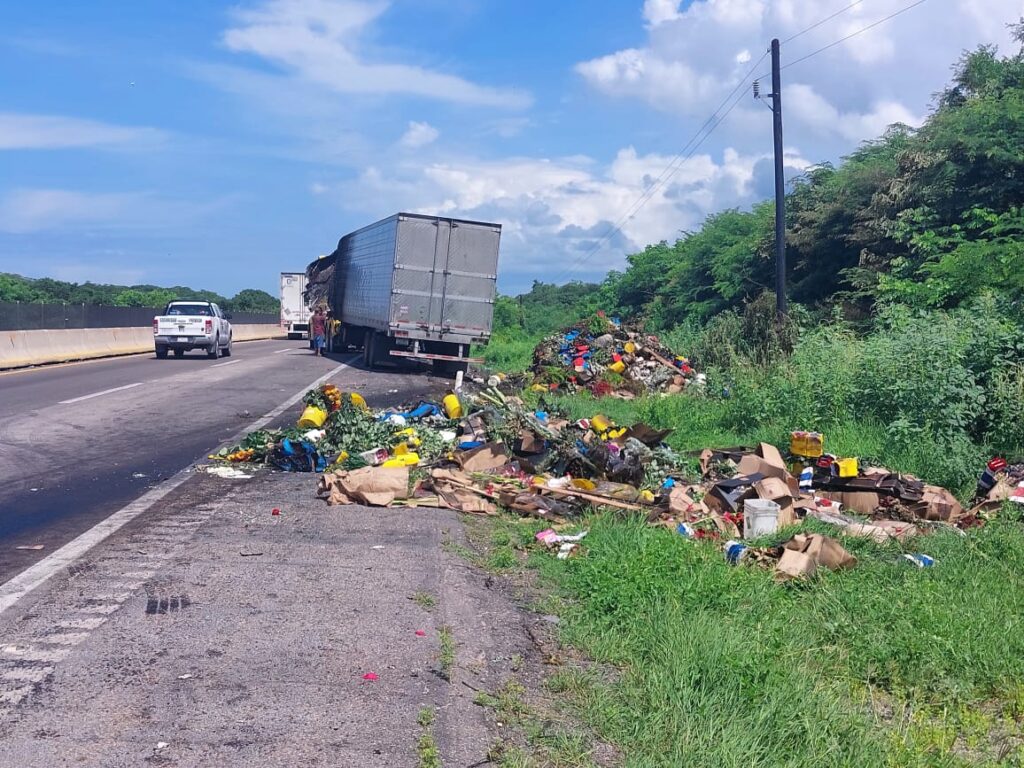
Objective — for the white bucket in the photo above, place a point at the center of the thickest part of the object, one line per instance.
(760, 517)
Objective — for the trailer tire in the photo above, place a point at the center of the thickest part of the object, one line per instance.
(451, 367)
(368, 339)
(179, 353)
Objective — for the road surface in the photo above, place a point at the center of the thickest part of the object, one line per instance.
(208, 631)
(79, 441)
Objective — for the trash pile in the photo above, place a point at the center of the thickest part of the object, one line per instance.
(476, 452)
(607, 358)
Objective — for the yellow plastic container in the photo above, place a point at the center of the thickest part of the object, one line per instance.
(583, 484)
(358, 401)
(630, 348)
(452, 407)
(618, 366)
(614, 434)
(312, 418)
(810, 444)
(847, 467)
(600, 423)
(404, 460)
(647, 496)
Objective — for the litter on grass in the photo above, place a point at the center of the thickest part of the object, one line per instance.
(485, 448)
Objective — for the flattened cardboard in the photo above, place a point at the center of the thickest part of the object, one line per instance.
(648, 435)
(938, 504)
(795, 565)
(374, 486)
(825, 551)
(490, 456)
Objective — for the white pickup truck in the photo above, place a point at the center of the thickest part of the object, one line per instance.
(186, 325)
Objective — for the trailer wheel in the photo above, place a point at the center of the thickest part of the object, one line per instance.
(451, 367)
(368, 345)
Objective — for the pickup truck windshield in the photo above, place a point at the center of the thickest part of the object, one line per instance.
(189, 309)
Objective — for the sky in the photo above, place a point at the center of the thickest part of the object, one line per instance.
(217, 144)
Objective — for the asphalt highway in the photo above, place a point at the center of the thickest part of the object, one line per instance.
(79, 441)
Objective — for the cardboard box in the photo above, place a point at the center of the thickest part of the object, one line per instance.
(765, 460)
(774, 489)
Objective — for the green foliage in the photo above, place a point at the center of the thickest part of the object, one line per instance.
(252, 300)
(884, 664)
(928, 217)
(48, 291)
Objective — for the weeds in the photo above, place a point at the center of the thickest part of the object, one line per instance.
(426, 747)
(424, 600)
(447, 654)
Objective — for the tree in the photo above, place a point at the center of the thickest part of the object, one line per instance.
(252, 300)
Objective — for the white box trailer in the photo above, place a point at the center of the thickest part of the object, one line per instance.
(294, 310)
(417, 287)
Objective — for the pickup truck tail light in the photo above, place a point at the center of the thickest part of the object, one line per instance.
(209, 327)
(155, 326)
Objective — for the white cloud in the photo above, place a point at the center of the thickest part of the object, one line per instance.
(32, 210)
(24, 131)
(25, 211)
(554, 212)
(808, 106)
(321, 41)
(419, 135)
(694, 56)
(660, 11)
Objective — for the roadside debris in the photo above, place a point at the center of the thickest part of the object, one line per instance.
(485, 448)
(31, 547)
(608, 358)
(228, 473)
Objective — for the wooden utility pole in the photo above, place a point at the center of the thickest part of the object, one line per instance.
(780, 185)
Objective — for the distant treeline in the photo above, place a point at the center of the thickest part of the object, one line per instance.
(45, 290)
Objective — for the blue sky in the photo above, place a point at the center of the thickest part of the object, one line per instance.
(217, 144)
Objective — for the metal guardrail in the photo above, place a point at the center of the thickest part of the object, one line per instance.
(19, 316)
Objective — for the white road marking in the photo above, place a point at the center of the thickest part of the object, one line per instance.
(15, 696)
(117, 597)
(229, 362)
(100, 394)
(28, 674)
(34, 576)
(280, 351)
(92, 623)
(66, 638)
(104, 608)
(28, 653)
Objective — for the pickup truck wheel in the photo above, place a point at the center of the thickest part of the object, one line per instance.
(161, 353)
(214, 352)
(227, 349)
(177, 353)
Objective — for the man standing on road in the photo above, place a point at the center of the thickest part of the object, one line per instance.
(318, 331)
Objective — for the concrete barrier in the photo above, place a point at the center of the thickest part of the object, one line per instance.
(23, 348)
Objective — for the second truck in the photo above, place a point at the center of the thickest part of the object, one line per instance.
(411, 286)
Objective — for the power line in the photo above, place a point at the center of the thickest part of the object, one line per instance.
(669, 171)
(893, 15)
(672, 167)
(818, 24)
